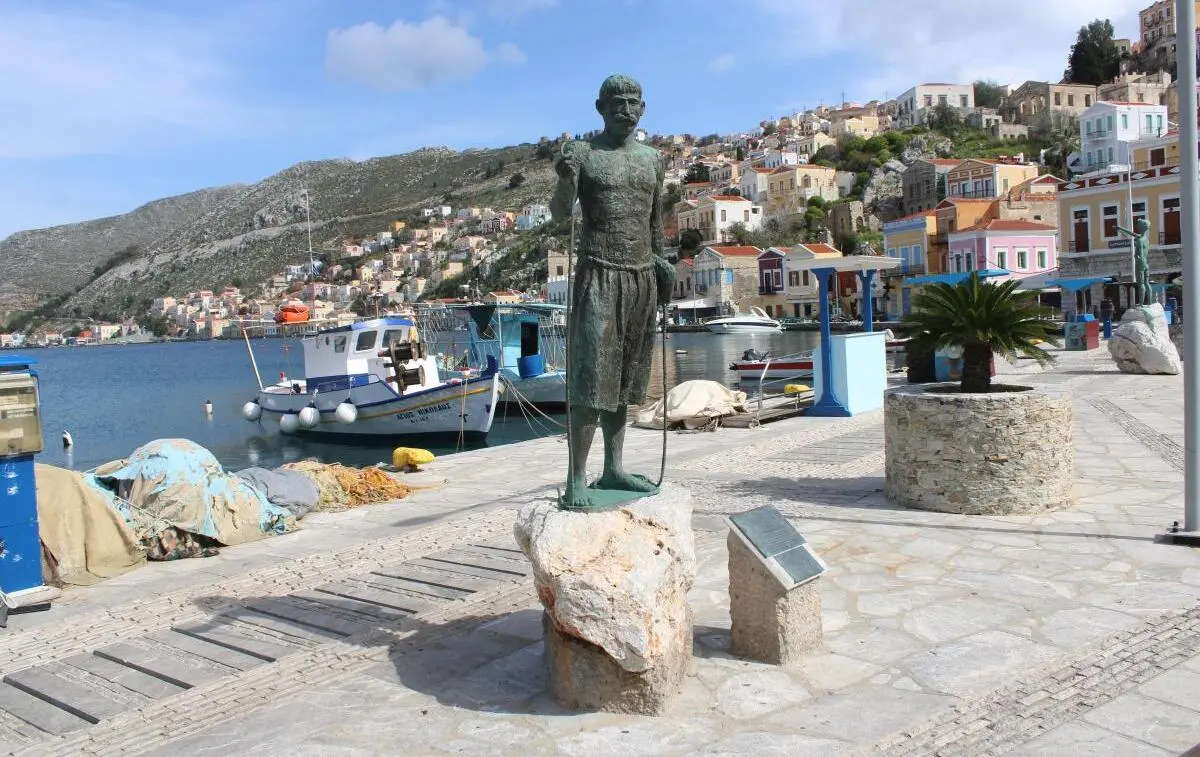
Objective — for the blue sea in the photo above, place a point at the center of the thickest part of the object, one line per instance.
(115, 398)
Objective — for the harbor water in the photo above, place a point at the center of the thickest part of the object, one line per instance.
(115, 398)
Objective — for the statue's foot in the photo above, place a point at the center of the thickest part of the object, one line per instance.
(577, 497)
(626, 482)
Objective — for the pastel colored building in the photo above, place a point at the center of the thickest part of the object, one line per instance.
(1022, 248)
(791, 187)
(800, 289)
(727, 276)
(976, 178)
(771, 297)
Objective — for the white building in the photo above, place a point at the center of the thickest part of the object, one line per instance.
(754, 184)
(916, 105)
(801, 288)
(1107, 131)
(714, 215)
(776, 158)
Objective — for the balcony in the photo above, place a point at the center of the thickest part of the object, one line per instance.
(981, 194)
(769, 289)
(906, 268)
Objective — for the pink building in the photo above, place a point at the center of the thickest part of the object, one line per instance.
(1023, 248)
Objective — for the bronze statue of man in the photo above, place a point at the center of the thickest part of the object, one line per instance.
(620, 279)
(1139, 237)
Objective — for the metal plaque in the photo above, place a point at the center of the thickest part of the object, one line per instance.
(800, 564)
(767, 529)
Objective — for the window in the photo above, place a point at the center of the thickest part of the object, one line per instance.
(1110, 155)
(1139, 211)
(793, 278)
(1158, 156)
(904, 255)
(1124, 121)
(1088, 128)
(1087, 101)
(1058, 98)
(1109, 216)
(1042, 257)
(559, 270)
(1005, 185)
(777, 275)
(1022, 259)
(1002, 257)
(804, 278)
(365, 341)
(941, 100)
(891, 253)
(915, 253)
(339, 344)
(745, 215)
(1149, 122)
(1070, 101)
(722, 216)
(1158, 124)
(962, 101)
(928, 101)
(1110, 123)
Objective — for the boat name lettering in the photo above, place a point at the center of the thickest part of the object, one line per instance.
(442, 406)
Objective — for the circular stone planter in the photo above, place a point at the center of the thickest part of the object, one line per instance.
(999, 453)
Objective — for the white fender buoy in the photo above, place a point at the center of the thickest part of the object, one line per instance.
(289, 423)
(208, 407)
(346, 412)
(252, 411)
(310, 416)
(67, 440)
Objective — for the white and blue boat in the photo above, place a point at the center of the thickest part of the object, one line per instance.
(525, 342)
(376, 378)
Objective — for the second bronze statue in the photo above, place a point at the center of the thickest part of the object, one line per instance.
(621, 280)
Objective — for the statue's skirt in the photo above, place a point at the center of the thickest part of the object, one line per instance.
(610, 334)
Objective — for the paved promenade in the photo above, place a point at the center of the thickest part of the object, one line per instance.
(411, 628)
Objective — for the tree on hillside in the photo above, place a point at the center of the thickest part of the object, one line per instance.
(944, 118)
(988, 94)
(690, 241)
(740, 154)
(697, 172)
(672, 196)
(1094, 57)
(516, 180)
(768, 128)
(735, 191)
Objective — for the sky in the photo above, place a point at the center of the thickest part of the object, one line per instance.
(108, 104)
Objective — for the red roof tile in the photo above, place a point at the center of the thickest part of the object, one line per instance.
(759, 169)
(821, 249)
(730, 198)
(735, 250)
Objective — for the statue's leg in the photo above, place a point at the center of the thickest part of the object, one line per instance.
(582, 432)
(612, 425)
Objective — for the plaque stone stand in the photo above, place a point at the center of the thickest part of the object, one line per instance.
(614, 587)
(774, 598)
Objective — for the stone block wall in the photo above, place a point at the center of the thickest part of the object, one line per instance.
(978, 454)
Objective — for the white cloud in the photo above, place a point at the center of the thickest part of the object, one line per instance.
(722, 63)
(107, 80)
(897, 45)
(407, 56)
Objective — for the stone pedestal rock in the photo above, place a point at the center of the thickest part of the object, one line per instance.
(614, 586)
(1142, 343)
(769, 623)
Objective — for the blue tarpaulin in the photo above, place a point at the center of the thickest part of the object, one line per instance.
(954, 279)
(1074, 285)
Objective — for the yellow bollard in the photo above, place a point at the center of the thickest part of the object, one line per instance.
(410, 458)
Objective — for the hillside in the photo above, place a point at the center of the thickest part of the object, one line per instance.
(47, 262)
(245, 233)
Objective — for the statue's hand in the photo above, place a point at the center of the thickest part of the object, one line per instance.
(567, 164)
(664, 277)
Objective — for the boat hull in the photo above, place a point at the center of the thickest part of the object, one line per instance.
(547, 391)
(465, 409)
(743, 328)
(777, 371)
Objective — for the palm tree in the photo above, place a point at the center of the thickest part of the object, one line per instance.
(981, 319)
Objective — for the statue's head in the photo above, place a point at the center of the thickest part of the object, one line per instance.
(1141, 225)
(621, 105)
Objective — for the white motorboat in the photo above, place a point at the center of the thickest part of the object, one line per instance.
(755, 321)
(374, 378)
(757, 366)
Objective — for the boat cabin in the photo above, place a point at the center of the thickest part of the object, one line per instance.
(363, 353)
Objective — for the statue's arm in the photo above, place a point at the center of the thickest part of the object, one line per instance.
(656, 212)
(562, 204)
(1124, 230)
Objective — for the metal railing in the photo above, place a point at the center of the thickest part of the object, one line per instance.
(975, 194)
(769, 289)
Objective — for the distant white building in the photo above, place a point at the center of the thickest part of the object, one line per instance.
(915, 106)
(1108, 131)
(776, 158)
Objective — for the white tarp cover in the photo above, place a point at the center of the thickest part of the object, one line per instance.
(692, 404)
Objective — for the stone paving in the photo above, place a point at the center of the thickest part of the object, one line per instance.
(1061, 633)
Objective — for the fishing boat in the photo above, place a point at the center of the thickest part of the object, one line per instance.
(524, 342)
(755, 322)
(755, 365)
(375, 378)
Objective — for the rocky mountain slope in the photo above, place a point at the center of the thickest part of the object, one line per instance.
(245, 233)
(47, 262)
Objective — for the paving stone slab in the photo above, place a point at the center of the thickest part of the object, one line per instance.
(437, 577)
(134, 680)
(478, 560)
(308, 614)
(38, 713)
(304, 634)
(222, 632)
(227, 659)
(367, 610)
(455, 566)
(82, 701)
(374, 596)
(417, 588)
(182, 669)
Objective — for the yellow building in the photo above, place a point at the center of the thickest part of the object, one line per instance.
(909, 240)
(398, 226)
(791, 187)
(976, 178)
(1090, 208)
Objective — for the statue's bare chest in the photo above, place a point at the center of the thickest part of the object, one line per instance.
(620, 171)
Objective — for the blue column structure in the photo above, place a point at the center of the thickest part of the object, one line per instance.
(827, 405)
(867, 278)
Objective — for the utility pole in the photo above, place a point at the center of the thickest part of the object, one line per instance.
(1189, 200)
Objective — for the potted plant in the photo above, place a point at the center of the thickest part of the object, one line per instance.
(976, 447)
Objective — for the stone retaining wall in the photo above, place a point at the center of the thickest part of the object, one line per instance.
(978, 454)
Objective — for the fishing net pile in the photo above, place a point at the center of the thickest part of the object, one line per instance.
(340, 488)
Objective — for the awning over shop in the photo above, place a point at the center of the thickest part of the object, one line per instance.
(1074, 285)
(698, 304)
(954, 279)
